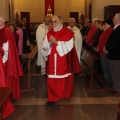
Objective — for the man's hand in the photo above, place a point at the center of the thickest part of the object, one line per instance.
(53, 40)
(104, 50)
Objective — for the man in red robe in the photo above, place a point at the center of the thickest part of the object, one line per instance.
(12, 65)
(7, 107)
(62, 61)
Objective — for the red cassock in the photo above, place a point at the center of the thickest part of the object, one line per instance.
(61, 87)
(7, 107)
(13, 68)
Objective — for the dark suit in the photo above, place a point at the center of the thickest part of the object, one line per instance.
(113, 48)
(113, 44)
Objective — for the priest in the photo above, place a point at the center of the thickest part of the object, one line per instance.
(40, 34)
(62, 61)
(7, 108)
(77, 36)
(12, 65)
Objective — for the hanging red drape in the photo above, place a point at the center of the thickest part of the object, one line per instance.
(47, 3)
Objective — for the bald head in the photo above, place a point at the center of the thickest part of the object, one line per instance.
(57, 22)
(118, 16)
(57, 17)
(72, 20)
(47, 20)
(2, 21)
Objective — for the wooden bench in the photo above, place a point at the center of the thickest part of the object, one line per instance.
(4, 94)
(30, 57)
(118, 113)
(88, 59)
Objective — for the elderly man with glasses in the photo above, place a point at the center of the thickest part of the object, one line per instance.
(61, 61)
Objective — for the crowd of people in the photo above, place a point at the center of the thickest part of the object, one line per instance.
(103, 40)
(59, 53)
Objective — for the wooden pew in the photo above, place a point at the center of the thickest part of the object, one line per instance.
(88, 59)
(118, 113)
(30, 57)
(4, 94)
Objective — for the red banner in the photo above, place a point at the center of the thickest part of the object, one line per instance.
(49, 3)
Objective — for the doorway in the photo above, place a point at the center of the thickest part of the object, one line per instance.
(25, 15)
(75, 15)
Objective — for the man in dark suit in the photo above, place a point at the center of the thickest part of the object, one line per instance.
(112, 48)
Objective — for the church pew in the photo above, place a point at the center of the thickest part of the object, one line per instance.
(88, 59)
(118, 113)
(30, 57)
(4, 94)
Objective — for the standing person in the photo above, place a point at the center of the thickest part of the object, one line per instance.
(27, 38)
(112, 48)
(58, 50)
(40, 34)
(11, 26)
(77, 36)
(12, 65)
(108, 27)
(19, 31)
(91, 32)
(7, 108)
(81, 27)
(26, 25)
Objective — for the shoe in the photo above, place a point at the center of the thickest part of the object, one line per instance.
(13, 100)
(49, 103)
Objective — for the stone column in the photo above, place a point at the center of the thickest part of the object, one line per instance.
(11, 9)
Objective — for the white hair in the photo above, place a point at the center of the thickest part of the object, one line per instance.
(94, 19)
(73, 19)
(118, 16)
(2, 19)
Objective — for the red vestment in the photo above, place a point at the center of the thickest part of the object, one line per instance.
(61, 87)
(13, 68)
(7, 107)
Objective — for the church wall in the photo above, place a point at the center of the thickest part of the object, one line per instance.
(36, 8)
(98, 7)
(63, 8)
(4, 9)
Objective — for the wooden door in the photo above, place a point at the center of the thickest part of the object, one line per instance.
(75, 15)
(25, 15)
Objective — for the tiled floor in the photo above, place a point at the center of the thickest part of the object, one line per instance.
(84, 104)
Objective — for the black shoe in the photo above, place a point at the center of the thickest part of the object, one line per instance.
(49, 103)
(115, 92)
(13, 100)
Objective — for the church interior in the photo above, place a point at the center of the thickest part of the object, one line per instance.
(92, 98)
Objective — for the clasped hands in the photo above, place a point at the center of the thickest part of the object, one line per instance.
(53, 40)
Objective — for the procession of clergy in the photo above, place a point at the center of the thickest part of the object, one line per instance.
(59, 53)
